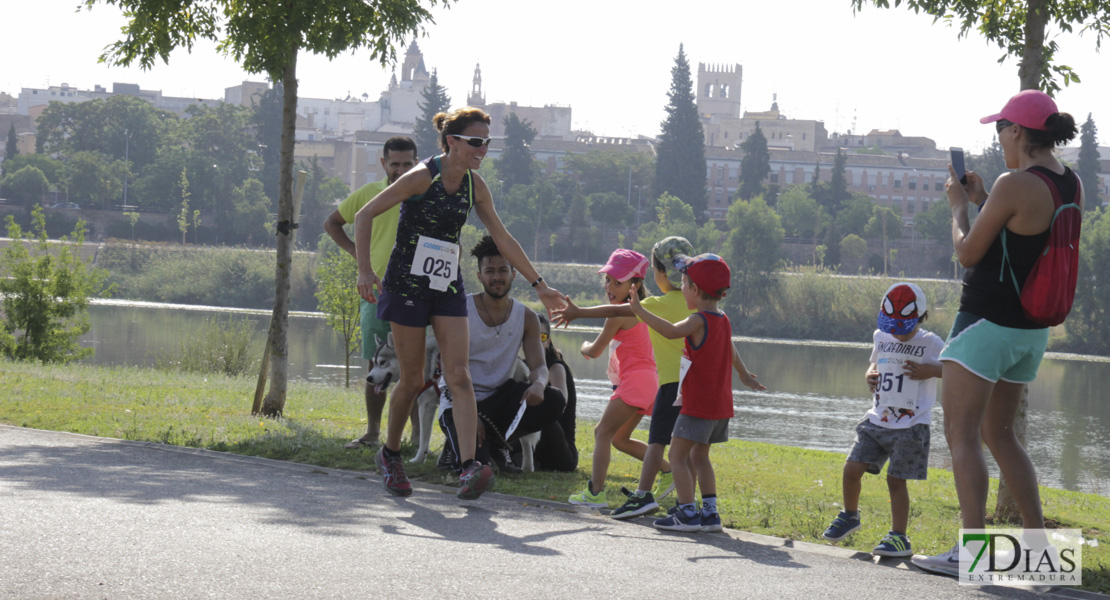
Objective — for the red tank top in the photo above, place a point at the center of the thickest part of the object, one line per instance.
(706, 388)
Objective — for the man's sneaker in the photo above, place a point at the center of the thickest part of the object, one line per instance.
(446, 460)
(586, 498)
(680, 521)
(947, 563)
(842, 526)
(475, 480)
(893, 544)
(664, 485)
(504, 461)
(711, 522)
(393, 472)
(635, 506)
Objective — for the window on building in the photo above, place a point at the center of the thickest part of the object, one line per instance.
(938, 186)
(913, 184)
(774, 177)
(897, 184)
(803, 137)
(910, 207)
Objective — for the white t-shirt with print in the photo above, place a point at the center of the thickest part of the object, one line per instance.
(901, 402)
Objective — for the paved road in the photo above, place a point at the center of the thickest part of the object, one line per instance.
(84, 517)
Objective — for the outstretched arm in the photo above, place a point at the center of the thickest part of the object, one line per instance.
(746, 378)
(602, 311)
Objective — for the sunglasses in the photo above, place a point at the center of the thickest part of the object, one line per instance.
(474, 141)
(543, 337)
(1000, 125)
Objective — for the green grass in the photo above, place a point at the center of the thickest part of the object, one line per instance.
(773, 490)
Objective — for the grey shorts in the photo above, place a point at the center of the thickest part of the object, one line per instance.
(702, 431)
(907, 449)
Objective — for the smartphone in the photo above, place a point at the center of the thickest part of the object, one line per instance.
(958, 164)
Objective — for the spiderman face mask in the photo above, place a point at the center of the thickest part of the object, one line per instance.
(902, 307)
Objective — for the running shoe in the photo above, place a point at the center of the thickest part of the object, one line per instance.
(446, 460)
(664, 485)
(711, 522)
(504, 461)
(638, 503)
(842, 526)
(475, 480)
(947, 563)
(680, 521)
(586, 498)
(893, 544)
(393, 472)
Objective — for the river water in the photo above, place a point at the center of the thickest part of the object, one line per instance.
(816, 391)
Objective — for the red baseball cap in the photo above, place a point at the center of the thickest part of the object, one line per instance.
(709, 271)
(625, 264)
(1028, 108)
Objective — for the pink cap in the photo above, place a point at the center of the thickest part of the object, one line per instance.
(625, 264)
(1028, 108)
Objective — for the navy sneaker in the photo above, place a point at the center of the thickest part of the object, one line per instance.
(680, 521)
(894, 544)
(842, 526)
(710, 522)
(637, 504)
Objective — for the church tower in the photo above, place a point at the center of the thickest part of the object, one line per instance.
(412, 69)
(718, 92)
(476, 97)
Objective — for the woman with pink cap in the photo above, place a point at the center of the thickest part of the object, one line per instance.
(631, 371)
(994, 348)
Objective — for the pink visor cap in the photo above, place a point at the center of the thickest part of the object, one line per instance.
(1028, 108)
(625, 264)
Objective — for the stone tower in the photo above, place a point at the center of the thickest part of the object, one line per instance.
(476, 97)
(719, 90)
(413, 67)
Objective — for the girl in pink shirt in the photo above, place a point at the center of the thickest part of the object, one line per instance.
(631, 370)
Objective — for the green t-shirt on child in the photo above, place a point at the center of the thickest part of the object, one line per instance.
(668, 353)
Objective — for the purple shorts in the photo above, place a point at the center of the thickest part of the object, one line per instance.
(414, 312)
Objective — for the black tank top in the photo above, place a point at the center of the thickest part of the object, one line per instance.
(988, 291)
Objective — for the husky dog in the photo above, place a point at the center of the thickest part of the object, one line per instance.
(386, 370)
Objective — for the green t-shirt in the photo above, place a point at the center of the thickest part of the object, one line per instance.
(668, 353)
(384, 234)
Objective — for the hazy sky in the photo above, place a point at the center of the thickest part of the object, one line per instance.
(611, 60)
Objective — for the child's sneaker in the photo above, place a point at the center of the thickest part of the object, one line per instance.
(635, 506)
(586, 498)
(893, 544)
(947, 563)
(393, 471)
(664, 485)
(842, 526)
(680, 521)
(474, 480)
(711, 522)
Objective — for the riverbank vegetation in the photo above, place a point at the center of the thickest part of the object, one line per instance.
(773, 490)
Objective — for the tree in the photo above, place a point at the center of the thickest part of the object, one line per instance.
(54, 170)
(118, 126)
(532, 209)
(1088, 168)
(1087, 322)
(435, 100)
(989, 165)
(936, 222)
(45, 290)
(11, 148)
(672, 217)
(94, 177)
(27, 184)
(752, 252)
(267, 125)
(1018, 28)
(132, 219)
(266, 37)
(886, 225)
(755, 166)
(801, 216)
(617, 169)
(854, 214)
(838, 186)
(853, 249)
(516, 165)
(248, 210)
(680, 153)
(183, 218)
(337, 297)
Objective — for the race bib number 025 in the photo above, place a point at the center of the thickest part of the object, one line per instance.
(437, 260)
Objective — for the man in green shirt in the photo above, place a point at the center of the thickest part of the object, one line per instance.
(398, 156)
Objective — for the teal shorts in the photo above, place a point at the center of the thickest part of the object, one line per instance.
(994, 352)
(371, 326)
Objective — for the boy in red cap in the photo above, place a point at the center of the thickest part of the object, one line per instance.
(705, 388)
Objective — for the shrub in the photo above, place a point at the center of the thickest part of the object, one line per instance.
(220, 346)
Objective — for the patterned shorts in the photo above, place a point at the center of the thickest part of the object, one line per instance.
(907, 449)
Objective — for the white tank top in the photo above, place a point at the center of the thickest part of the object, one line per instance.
(493, 350)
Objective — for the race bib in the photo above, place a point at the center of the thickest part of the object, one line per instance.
(437, 260)
(896, 389)
(683, 366)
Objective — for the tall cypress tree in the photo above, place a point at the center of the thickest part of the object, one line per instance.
(754, 166)
(680, 154)
(267, 126)
(515, 164)
(11, 149)
(435, 101)
(1088, 163)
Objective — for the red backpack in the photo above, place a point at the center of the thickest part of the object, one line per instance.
(1049, 290)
